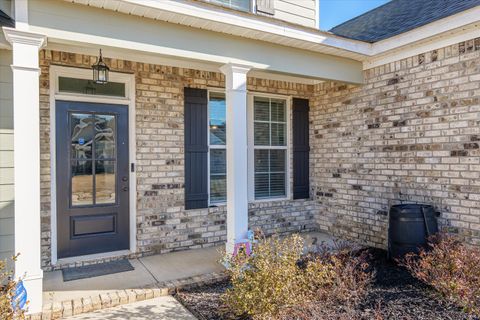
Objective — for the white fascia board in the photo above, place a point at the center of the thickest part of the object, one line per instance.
(244, 23)
(445, 32)
(433, 43)
(4, 44)
(435, 28)
(64, 23)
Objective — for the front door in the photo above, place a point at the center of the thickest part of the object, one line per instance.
(92, 178)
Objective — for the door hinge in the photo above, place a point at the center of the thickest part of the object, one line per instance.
(132, 167)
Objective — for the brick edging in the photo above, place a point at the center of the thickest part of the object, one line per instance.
(59, 310)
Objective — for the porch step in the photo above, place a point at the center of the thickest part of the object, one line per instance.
(107, 299)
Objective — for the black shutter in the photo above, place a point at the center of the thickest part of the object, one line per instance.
(196, 149)
(301, 149)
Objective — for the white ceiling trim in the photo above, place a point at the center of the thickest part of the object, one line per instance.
(131, 55)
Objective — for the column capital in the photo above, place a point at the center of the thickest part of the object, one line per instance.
(235, 76)
(25, 37)
(235, 68)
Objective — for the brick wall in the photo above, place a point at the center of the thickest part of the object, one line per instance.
(410, 133)
(162, 223)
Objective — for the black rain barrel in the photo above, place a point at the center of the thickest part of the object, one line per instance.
(409, 227)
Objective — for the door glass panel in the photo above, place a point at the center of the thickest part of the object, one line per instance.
(93, 159)
(82, 182)
(105, 181)
(105, 133)
(81, 132)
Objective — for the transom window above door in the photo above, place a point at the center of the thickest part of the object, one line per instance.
(88, 87)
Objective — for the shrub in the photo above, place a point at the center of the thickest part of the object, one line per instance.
(450, 267)
(276, 280)
(267, 281)
(7, 288)
(348, 274)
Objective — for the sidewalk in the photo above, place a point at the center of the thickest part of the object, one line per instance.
(162, 308)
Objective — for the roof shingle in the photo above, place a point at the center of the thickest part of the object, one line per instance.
(399, 16)
(6, 21)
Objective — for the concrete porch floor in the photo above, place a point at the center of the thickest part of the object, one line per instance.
(149, 272)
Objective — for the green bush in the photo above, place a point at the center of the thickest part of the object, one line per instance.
(277, 280)
(452, 268)
(7, 288)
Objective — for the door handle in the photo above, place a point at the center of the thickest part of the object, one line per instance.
(125, 189)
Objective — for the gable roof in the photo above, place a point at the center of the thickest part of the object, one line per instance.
(6, 21)
(399, 16)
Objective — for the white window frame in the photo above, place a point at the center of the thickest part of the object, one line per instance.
(252, 8)
(252, 147)
(215, 146)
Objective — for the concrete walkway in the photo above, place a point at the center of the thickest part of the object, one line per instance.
(152, 278)
(148, 271)
(162, 308)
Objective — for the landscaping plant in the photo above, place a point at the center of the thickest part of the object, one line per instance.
(452, 268)
(277, 280)
(7, 289)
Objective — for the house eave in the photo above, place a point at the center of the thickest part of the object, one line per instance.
(219, 19)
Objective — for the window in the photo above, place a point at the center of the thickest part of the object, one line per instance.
(84, 86)
(270, 147)
(217, 147)
(243, 5)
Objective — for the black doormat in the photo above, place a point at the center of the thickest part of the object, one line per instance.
(96, 270)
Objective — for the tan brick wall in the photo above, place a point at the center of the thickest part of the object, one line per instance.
(410, 133)
(162, 223)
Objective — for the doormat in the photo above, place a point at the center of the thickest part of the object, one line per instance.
(96, 270)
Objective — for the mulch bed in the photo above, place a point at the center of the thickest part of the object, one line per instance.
(395, 295)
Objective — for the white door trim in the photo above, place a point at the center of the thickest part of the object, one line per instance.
(129, 80)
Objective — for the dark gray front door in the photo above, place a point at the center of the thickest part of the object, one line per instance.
(92, 178)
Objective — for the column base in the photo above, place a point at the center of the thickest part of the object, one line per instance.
(229, 247)
(34, 287)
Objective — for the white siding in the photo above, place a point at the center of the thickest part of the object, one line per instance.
(6, 156)
(6, 6)
(303, 12)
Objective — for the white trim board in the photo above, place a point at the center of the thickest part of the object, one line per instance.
(131, 55)
(81, 73)
(445, 39)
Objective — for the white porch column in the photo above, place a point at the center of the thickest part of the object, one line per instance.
(26, 145)
(237, 182)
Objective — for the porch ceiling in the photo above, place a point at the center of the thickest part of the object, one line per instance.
(86, 26)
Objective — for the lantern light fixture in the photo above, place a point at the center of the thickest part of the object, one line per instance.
(100, 71)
